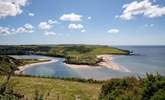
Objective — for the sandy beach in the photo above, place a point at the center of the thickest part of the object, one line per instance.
(107, 62)
(74, 66)
(22, 68)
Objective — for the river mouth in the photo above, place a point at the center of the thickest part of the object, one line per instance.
(58, 68)
(151, 60)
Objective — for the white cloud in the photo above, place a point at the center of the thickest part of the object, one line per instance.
(5, 31)
(113, 30)
(31, 14)
(27, 28)
(75, 26)
(50, 33)
(47, 25)
(83, 30)
(20, 30)
(11, 7)
(144, 7)
(89, 17)
(44, 26)
(52, 21)
(71, 17)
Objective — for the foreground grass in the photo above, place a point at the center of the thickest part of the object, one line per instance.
(54, 89)
(150, 87)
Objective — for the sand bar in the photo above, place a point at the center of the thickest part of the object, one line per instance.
(22, 68)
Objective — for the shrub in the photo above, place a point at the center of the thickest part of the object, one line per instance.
(151, 87)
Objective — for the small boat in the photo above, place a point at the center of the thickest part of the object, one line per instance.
(131, 52)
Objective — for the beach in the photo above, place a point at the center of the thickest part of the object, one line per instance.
(74, 66)
(106, 62)
(22, 68)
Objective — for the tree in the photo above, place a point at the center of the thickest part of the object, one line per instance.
(7, 67)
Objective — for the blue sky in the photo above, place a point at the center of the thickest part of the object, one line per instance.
(108, 22)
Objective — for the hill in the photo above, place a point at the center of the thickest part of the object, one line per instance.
(53, 89)
(73, 54)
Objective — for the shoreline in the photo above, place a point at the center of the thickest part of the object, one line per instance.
(22, 68)
(107, 62)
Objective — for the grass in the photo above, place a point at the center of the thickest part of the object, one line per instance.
(55, 89)
(6, 65)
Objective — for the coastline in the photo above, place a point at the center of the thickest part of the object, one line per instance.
(107, 62)
(22, 68)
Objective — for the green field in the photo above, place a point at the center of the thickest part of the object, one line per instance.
(54, 89)
(152, 87)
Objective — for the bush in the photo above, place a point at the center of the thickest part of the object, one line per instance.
(152, 87)
(159, 95)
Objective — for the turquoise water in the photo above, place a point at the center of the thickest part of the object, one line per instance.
(151, 59)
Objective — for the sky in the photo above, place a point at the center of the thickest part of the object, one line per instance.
(104, 22)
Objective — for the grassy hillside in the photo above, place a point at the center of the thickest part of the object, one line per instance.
(52, 89)
(5, 63)
(152, 87)
(74, 54)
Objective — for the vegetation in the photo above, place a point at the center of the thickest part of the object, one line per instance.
(7, 67)
(54, 89)
(74, 54)
(6, 64)
(35, 88)
(149, 88)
